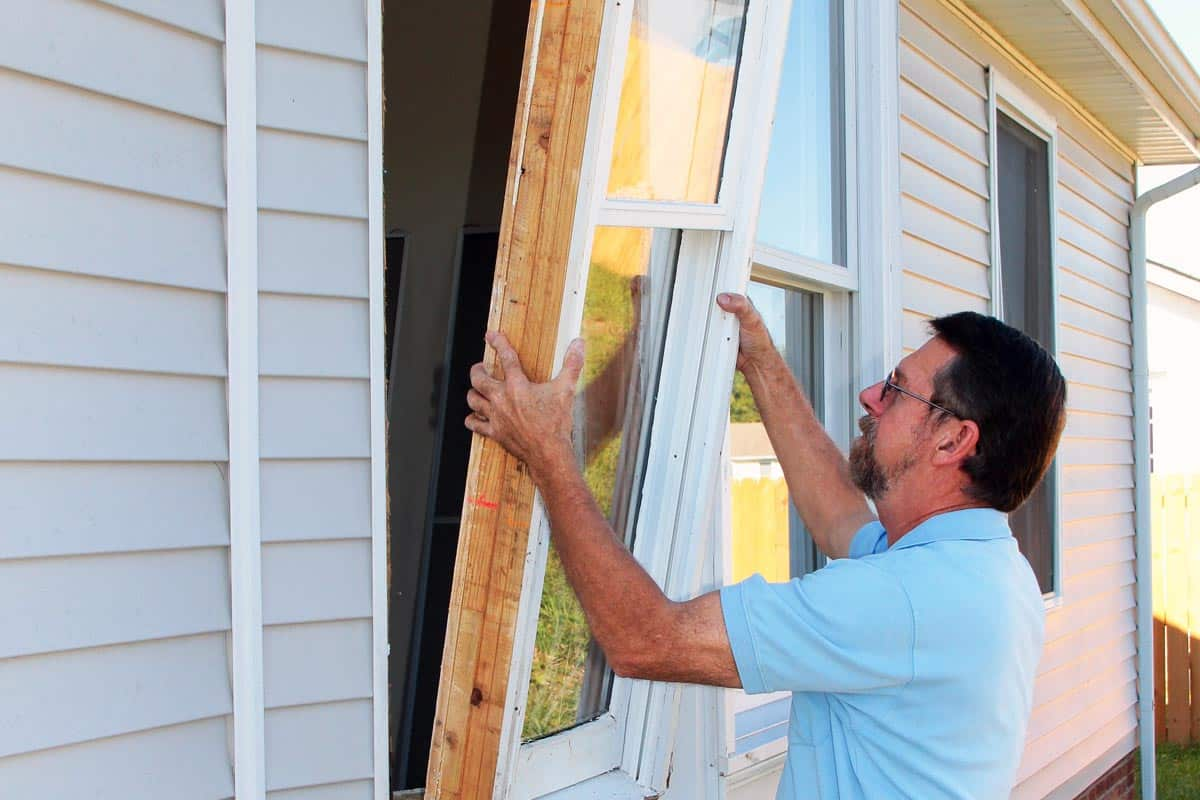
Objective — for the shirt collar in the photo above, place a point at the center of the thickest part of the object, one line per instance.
(968, 524)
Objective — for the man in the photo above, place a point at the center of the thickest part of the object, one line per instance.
(911, 656)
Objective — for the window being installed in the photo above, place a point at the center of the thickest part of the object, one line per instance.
(625, 311)
(1026, 276)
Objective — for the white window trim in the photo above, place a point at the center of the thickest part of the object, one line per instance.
(1004, 95)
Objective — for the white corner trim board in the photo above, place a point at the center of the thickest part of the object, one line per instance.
(245, 536)
(375, 232)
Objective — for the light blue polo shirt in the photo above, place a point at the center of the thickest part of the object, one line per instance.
(911, 667)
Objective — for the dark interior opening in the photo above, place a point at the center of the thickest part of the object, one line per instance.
(452, 71)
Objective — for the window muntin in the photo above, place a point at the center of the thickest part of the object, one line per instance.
(1024, 224)
(625, 309)
(676, 103)
(803, 206)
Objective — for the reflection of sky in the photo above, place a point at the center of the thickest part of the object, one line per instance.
(710, 30)
(797, 202)
(770, 302)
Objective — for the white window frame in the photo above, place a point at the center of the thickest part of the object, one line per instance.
(838, 397)
(1006, 96)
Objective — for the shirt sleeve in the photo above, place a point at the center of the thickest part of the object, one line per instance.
(847, 627)
(870, 540)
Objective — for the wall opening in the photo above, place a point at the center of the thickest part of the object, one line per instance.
(452, 71)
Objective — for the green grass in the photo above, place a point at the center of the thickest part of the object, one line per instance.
(1178, 769)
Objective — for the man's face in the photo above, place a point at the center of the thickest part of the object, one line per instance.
(896, 429)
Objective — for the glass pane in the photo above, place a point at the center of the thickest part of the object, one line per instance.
(625, 312)
(768, 536)
(676, 99)
(803, 198)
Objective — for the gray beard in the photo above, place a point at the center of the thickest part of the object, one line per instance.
(865, 470)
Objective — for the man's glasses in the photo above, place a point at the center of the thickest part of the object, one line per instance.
(890, 383)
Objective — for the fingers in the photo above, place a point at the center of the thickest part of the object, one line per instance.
(572, 364)
(482, 380)
(507, 356)
(741, 307)
(479, 404)
(480, 426)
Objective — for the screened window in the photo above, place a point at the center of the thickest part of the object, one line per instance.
(1026, 269)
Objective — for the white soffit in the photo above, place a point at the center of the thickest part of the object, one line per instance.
(1116, 60)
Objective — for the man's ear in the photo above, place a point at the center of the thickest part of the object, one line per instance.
(956, 442)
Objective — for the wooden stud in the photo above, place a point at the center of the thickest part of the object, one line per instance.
(535, 234)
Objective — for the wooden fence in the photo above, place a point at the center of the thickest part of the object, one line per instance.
(1175, 504)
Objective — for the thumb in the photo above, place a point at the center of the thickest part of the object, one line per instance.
(572, 363)
(739, 305)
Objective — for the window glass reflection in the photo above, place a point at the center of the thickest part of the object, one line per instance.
(624, 324)
(803, 202)
(676, 99)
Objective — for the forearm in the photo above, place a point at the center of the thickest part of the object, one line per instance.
(817, 474)
(625, 609)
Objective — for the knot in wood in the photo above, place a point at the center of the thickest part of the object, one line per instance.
(476, 696)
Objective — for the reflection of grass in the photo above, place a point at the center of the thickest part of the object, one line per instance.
(741, 405)
(561, 645)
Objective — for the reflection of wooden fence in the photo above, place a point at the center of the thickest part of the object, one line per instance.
(1175, 509)
(760, 528)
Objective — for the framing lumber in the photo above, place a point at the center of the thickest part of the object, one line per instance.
(535, 235)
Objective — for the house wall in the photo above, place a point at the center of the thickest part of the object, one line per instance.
(114, 584)
(1084, 718)
(1174, 328)
(314, 339)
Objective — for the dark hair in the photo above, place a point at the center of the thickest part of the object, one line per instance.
(1014, 391)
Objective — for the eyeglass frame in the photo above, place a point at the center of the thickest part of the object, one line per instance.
(888, 383)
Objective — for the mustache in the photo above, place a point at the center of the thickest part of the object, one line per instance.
(867, 424)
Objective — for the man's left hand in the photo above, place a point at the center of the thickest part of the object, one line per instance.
(532, 421)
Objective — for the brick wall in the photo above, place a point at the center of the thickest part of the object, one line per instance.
(1116, 784)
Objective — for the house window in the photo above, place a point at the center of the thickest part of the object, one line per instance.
(1024, 286)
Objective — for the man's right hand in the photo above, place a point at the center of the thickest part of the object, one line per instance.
(755, 347)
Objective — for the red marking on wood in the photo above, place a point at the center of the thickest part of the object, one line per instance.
(478, 500)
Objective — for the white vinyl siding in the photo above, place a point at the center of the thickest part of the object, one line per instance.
(114, 576)
(314, 340)
(1085, 693)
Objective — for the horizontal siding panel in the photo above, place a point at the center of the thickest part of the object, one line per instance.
(914, 330)
(53, 604)
(1087, 266)
(1088, 479)
(99, 48)
(934, 225)
(944, 124)
(326, 499)
(311, 94)
(320, 744)
(353, 790)
(1071, 650)
(922, 258)
(303, 254)
(205, 17)
(920, 71)
(1093, 216)
(313, 337)
(1080, 560)
(316, 581)
(941, 51)
(921, 145)
(317, 662)
(1099, 529)
(1116, 702)
(1080, 612)
(1088, 240)
(1099, 426)
(1099, 580)
(75, 321)
(64, 225)
(1118, 736)
(1094, 452)
(1120, 185)
(1094, 295)
(1085, 318)
(52, 509)
(1080, 182)
(86, 136)
(935, 299)
(67, 698)
(1048, 716)
(1094, 373)
(183, 762)
(934, 190)
(311, 418)
(1082, 505)
(312, 174)
(84, 415)
(1080, 343)
(1099, 401)
(329, 27)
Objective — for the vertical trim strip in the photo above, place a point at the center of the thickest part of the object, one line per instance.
(375, 233)
(245, 536)
(996, 301)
